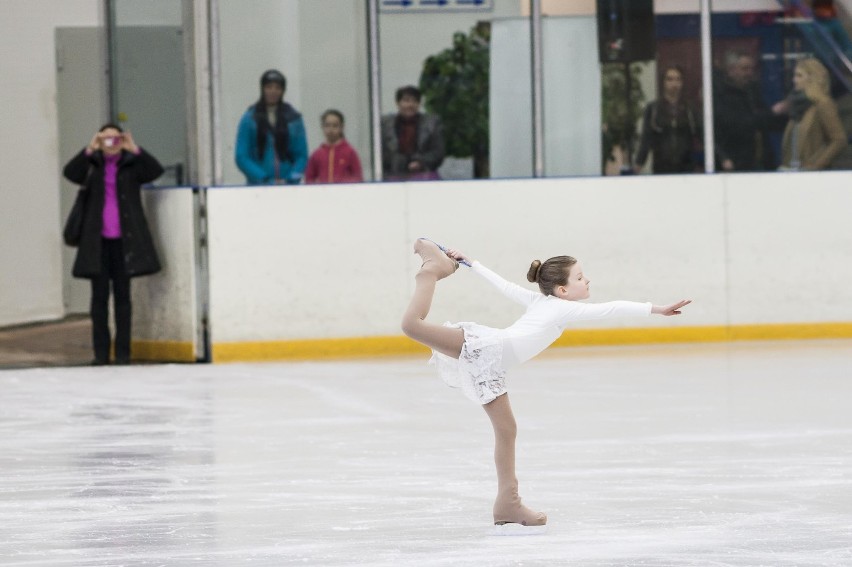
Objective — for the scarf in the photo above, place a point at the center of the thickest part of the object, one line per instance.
(799, 104)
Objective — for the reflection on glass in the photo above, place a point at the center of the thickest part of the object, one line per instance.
(814, 135)
(765, 117)
(818, 83)
(671, 128)
(438, 66)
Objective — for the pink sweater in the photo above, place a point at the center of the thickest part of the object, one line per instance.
(336, 163)
(112, 223)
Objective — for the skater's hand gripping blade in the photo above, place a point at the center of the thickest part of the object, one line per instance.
(513, 529)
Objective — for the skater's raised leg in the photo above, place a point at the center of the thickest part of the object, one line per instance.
(508, 508)
(436, 266)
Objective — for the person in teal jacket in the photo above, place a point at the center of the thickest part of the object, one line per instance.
(272, 147)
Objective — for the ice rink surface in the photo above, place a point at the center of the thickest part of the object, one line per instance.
(688, 455)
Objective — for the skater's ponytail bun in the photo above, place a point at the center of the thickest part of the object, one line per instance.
(532, 275)
(552, 274)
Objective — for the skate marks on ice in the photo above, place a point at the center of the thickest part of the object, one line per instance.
(689, 455)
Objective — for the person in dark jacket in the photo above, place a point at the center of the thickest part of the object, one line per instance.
(412, 142)
(670, 129)
(116, 244)
(743, 121)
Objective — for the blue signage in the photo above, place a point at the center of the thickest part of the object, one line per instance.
(437, 5)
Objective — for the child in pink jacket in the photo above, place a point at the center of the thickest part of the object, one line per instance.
(335, 161)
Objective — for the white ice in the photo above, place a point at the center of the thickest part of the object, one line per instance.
(690, 455)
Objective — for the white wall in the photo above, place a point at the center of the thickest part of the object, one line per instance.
(30, 164)
(336, 261)
(164, 307)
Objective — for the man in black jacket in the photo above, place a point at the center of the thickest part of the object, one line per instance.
(742, 119)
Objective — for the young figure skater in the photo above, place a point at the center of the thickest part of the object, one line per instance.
(475, 358)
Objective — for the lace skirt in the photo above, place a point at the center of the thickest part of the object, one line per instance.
(478, 371)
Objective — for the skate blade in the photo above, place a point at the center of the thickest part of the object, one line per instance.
(513, 529)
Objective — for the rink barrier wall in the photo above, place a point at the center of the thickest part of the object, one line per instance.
(326, 271)
(171, 351)
(369, 347)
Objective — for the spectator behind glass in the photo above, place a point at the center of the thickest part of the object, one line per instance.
(412, 143)
(670, 130)
(272, 146)
(814, 135)
(335, 161)
(116, 244)
(742, 118)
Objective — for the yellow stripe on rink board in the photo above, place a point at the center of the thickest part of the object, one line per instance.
(307, 349)
(316, 349)
(720, 333)
(163, 351)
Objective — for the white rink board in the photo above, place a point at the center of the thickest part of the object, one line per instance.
(307, 262)
(164, 303)
(335, 261)
(790, 241)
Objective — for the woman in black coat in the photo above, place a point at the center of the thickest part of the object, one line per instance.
(116, 244)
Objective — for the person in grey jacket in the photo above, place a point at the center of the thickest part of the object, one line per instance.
(412, 142)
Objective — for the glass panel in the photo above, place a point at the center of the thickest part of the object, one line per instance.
(648, 101)
(572, 91)
(469, 61)
(671, 135)
(750, 60)
(764, 121)
(320, 47)
(608, 106)
(148, 75)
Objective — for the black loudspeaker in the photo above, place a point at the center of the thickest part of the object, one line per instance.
(626, 31)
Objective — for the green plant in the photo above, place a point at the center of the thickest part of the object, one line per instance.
(454, 83)
(619, 118)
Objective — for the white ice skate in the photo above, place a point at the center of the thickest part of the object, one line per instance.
(515, 529)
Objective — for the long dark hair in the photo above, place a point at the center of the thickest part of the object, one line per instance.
(281, 134)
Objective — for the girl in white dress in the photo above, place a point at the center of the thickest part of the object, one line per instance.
(475, 358)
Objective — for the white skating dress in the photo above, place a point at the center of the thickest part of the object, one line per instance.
(480, 370)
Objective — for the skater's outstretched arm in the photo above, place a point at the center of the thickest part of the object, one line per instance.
(575, 311)
(513, 291)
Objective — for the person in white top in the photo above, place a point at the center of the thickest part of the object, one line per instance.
(475, 358)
